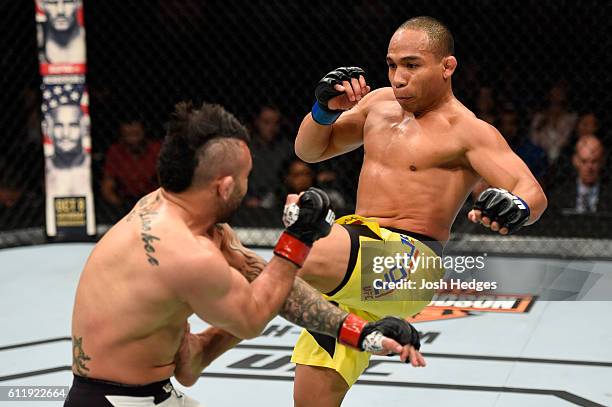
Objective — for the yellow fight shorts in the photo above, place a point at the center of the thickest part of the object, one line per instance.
(314, 349)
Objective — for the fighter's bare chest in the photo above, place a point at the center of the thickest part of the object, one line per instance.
(407, 142)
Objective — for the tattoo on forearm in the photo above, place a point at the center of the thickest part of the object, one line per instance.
(305, 306)
(144, 210)
(79, 358)
(252, 264)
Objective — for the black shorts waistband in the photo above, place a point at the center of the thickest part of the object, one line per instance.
(428, 241)
(159, 390)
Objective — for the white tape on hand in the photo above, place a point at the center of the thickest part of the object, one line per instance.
(290, 214)
(373, 342)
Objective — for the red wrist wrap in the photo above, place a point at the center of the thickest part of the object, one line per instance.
(350, 331)
(292, 249)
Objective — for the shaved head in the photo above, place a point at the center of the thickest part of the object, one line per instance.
(590, 144)
(441, 40)
(220, 157)
(588, 159)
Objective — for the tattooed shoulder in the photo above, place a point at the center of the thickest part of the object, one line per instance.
(147, 213)
(145, 210)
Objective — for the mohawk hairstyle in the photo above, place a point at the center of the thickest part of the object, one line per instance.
(203, 137)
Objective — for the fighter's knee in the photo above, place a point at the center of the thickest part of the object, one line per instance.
(298, 400)
(309, 398)
(302, 397)
(318, 387)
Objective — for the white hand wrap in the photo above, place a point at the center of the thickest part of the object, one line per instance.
(290, 214)
(373, 342)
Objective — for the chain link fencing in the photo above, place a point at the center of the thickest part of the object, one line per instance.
(537, 70)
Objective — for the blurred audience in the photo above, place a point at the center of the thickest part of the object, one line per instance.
(587, 190)
(19, 208)
(269, 149)
(564, 151)
(551, 128)
(486, 106)
(586, 125)
(509, 87)
(466, 82)
(330, 181)
(130, 166)
(532, 155)
(297, 177)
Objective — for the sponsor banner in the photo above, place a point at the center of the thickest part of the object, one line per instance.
(467, 300)
(464, 303)
(65, 120)
(61, 36)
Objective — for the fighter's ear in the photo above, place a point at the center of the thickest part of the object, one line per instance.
(225, 187)
(449, 64)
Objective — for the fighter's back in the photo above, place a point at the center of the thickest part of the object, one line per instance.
(415, 175)
(126, 276)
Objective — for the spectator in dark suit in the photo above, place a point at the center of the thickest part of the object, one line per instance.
(587, 191)
(587, 125)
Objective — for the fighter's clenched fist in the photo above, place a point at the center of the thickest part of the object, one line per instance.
(337, 91)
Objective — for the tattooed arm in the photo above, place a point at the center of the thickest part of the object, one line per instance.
(305, 306)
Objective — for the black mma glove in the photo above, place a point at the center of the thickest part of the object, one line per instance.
(363, 335)
(325, 91)
(503, 207)
(308, 220)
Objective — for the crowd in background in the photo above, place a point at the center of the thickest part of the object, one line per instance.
(262, 60)
(565, 149)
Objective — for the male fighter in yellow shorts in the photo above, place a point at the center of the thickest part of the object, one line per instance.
(424, 152)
